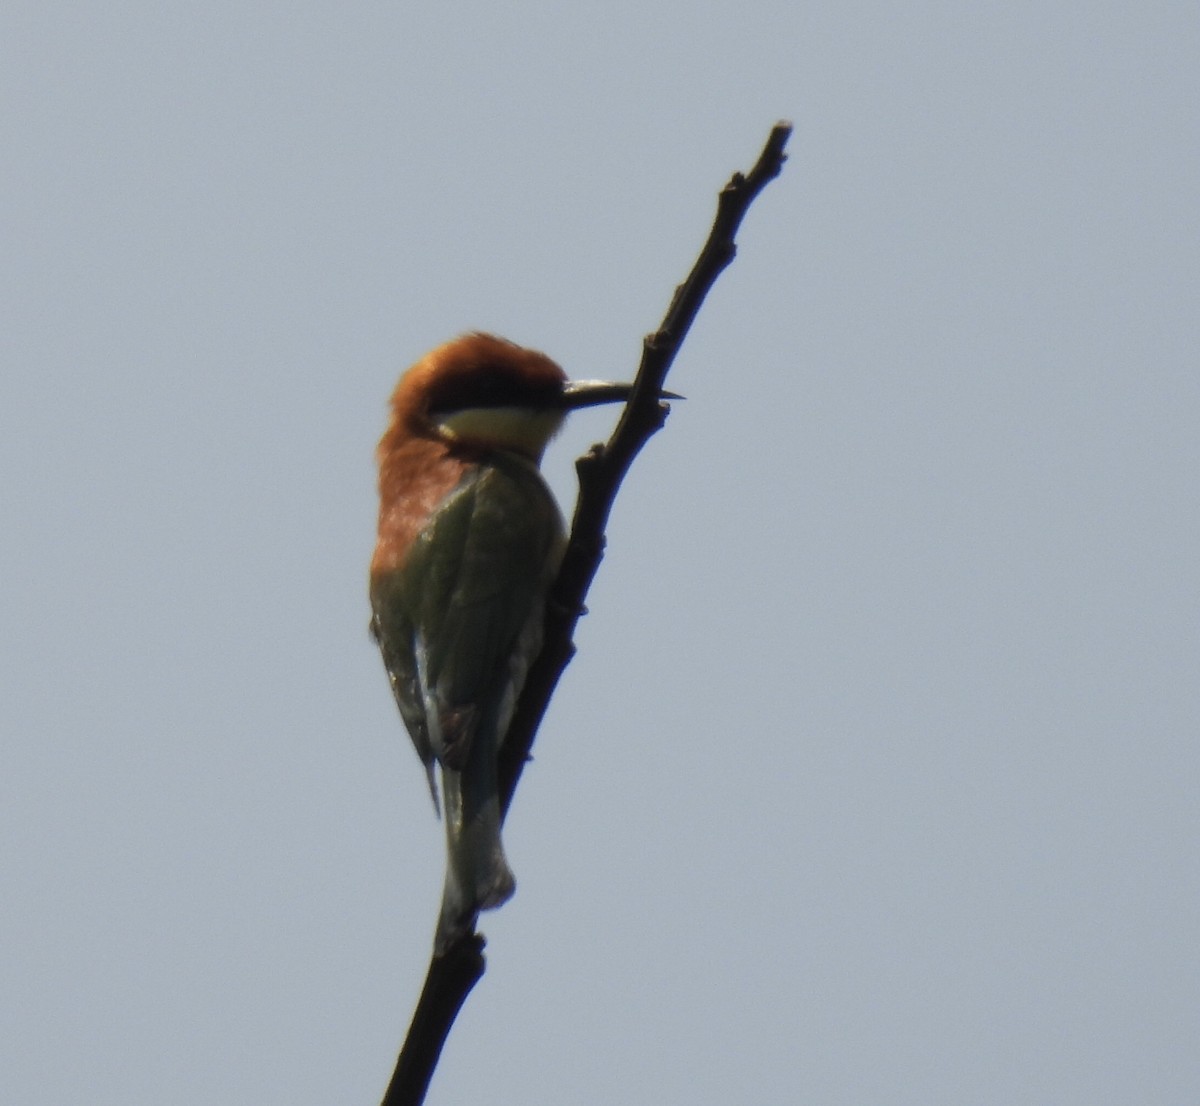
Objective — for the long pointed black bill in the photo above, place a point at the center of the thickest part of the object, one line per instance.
(589, 393)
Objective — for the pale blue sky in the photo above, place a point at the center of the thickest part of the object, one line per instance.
(875, 778)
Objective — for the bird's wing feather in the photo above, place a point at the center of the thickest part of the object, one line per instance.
(474, 578)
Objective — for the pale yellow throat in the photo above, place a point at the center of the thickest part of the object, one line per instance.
(522, 429)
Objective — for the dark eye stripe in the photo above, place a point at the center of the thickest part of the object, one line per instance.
(490, 388)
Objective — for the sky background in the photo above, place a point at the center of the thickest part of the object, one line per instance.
(875, 778)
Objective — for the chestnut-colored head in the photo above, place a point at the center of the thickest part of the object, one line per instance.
(483, 390)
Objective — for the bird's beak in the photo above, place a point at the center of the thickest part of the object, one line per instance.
(589, 393)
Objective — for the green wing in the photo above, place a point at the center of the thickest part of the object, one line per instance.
(456, 618)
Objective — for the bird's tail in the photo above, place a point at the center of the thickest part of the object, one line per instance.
(477, 873)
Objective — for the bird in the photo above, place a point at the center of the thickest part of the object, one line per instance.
(469, 541)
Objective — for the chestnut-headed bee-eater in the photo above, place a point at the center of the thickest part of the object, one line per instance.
(470, 540)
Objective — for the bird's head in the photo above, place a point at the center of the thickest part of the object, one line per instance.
(484, 391)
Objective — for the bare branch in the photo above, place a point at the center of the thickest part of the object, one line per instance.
(603, 467)
(601, 470)
(447, 984)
